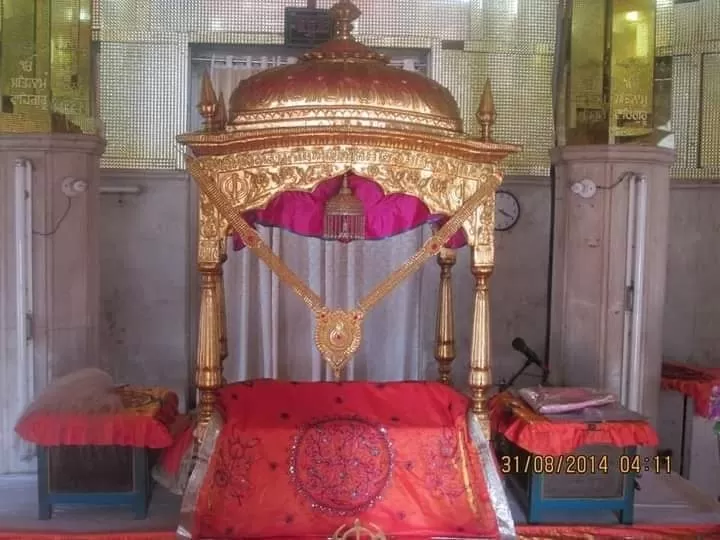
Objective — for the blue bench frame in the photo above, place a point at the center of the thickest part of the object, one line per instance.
(536, 506)
(138, 499)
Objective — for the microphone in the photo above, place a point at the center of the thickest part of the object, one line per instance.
(520, 346)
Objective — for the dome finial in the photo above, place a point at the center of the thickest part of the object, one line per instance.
(343, 14)
(208, 104)
(486, 113)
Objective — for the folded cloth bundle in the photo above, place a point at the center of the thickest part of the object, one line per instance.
(555, 400)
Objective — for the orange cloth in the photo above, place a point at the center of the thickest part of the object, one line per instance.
(694, 381)
(145, 422)
(516, 421)
(525, 532)
(303, 459)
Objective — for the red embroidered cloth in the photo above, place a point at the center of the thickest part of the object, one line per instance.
(145, 422)
(702, 384)
(304, 459)
(525, 532)
(516, 421)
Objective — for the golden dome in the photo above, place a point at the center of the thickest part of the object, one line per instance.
(343, 83)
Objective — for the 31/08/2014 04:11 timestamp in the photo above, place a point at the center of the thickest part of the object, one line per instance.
(584, 464)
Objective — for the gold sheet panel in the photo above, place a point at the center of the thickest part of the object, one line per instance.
(710, 113)
(142, 99)
(45, 75)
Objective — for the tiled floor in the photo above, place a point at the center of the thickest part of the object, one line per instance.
(661, 500)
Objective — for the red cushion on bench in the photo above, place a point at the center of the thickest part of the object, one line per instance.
(144, 422)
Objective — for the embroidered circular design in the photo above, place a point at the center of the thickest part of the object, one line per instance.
(342, 465)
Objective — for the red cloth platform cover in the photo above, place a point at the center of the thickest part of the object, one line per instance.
(304, 459)
(525, 532)
(385, 215)
(702, 384)
(511, 417)
(144, 422)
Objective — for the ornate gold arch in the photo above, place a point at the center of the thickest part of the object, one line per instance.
(244, 171)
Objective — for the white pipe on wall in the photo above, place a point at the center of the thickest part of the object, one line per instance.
(120, 190)
(629, 286)
(635, 393)
(25, 369)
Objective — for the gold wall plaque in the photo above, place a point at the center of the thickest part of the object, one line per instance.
(46, 75)
(610, 76)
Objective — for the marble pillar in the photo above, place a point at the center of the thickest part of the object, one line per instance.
(589, 295)
(63, 318)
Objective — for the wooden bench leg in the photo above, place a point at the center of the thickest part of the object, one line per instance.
(43, 478)
(626, 516)
(535, 498)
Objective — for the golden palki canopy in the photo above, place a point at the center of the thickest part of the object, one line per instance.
(343, 83)
(342, 114)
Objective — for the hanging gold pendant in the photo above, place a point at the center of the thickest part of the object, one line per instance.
(337, 336)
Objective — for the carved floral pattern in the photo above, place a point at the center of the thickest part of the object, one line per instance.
(443, 461)
(234, 464)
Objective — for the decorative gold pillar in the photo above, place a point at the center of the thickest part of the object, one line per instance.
(211, 345)
(479, 229)
(208, 369)
(480, 375)
(445, 322)
(222, 318)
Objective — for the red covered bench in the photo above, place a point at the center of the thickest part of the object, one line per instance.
(101, 458)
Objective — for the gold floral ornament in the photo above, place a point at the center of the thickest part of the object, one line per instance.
(344, 216)
(338, 334)
(359, 531)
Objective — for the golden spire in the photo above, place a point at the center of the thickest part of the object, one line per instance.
(343, 14)
(486, 113)
(208, 104)
(221, 117)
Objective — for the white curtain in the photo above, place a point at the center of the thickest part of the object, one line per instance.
(270, 331)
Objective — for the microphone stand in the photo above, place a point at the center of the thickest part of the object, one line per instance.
(531, 358)
(504, 386)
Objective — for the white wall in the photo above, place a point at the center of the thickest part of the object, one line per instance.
(144, 259)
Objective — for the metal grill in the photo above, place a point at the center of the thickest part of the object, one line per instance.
(145, 69)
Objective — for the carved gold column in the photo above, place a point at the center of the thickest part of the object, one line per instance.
(222, 318)
(208, 370)
(211, 255)
(445, 323)
(480, 378)
(479, 229)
